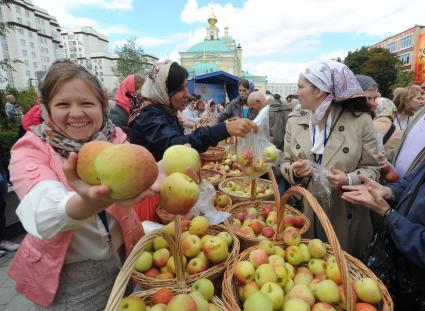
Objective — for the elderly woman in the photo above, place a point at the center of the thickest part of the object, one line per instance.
(404, 220)
(336, 133)
(157, 127)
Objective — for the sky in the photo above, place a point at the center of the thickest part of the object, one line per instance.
(279, 38)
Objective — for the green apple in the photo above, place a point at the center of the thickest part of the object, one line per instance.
(171, 266)
(317, 248)
(368, 291)
(205, 287)
(278, 250)
(289, 285)
(199, 226)
(305, 252)
(132, 303)
(271, 218)
(244, 272)
(281, 274)
(201, 302)
(249, 288)
(291, 237)
(226, 236)
(196, 265)
(201, 256)
(291, 270)
(159, 242)
(179, 158)
(270, 153)
(205, 238)
(293, 255)
(276, 260)
(264, 274)
(275, 292)
(222, 200)
(327, 291)
(144, 262)
(268, 246)
(323, 306)
(332, 273)
(303, 278)
(178, 194)
(191, 245)
(182, 302)
(317, 266)
(296, 304)
(213, 307)
(215, 249)
(258, 301)
(160, 257)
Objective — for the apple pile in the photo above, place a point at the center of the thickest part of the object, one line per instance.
(200, 250)
(179, 192)
(244, 189)
(388, 172)
(199, 299)
(229, 166)
(256, 165)
(299, 277)
(126, 169)
(263, 223)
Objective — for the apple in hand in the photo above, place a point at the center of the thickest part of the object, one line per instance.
(178, 194)
(132, 303)
(179, 158)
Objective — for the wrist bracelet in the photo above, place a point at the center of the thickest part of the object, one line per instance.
(387, 212)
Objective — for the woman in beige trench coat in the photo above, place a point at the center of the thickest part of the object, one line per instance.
(334, 130)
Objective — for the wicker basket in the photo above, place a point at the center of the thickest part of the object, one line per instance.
(349, 267)
(175, 249)
(178, 287)
(213, 154)
(248, 241)
(208, 173)
(243, 182)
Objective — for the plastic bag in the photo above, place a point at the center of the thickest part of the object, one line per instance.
(204, 206)
(388, 172)
(256, 154)
(322, 189)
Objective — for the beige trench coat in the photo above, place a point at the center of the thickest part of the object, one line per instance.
(352, 148)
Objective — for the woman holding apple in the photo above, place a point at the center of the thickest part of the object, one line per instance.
(336, 135)
(157, 127)
(76, 234)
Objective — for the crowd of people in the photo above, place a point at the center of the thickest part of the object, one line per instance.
(337, 134)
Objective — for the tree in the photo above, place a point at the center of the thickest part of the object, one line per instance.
(6, 64)
(404, 78)
(379, 63)
(132, 60)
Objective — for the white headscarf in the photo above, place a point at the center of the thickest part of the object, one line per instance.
(155, 86)
(334, 78)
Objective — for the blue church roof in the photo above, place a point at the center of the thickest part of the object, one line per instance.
(210, 46)
(203, 67)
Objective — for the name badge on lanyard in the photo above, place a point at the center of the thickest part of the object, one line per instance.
(318, 157)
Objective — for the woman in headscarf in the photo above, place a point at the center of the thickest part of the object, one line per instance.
(210, 114)
(157, 127)
(238, 107)
(334, 130)
(128, 102)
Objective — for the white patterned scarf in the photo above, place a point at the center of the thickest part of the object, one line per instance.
(334, 78)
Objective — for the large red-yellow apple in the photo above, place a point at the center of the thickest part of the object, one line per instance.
(215, 249)
(126, 169)
(86, 169)
(178, 194)
(179, 158)
(162, 295)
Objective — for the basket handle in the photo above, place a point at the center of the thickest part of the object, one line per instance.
(330, 234)
(124, 275)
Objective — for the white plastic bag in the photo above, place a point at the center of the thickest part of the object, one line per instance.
(256, 154)
(204, 206)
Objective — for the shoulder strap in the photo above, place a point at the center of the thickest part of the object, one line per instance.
(389, 133)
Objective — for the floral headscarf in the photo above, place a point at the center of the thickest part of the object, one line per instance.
(385, 108)
(334, 78)
(155, 86)
(61, 142)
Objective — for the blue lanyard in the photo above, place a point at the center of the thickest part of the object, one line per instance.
(318, 158)
(399, 124)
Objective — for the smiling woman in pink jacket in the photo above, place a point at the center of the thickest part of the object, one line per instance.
(76, 235)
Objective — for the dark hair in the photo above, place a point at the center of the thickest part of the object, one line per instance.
(356, 106)
(176, 77)
(244, 83)
(62, 71)
(276, 96)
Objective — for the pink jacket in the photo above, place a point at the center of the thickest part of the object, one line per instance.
(38, 263)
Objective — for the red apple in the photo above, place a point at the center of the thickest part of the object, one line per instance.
(363, 306)
(266, 211)
(268, 232)
(256, 226)
(163, 295)
(152, 273)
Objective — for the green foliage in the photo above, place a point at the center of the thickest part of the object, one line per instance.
(132, 60)
(379, 63)
(404, 78)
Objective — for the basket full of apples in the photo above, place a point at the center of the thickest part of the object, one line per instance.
(302, 275)
(186, 250)
(217, 153)
(254, 221)
(241, 190)
(213, 176)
